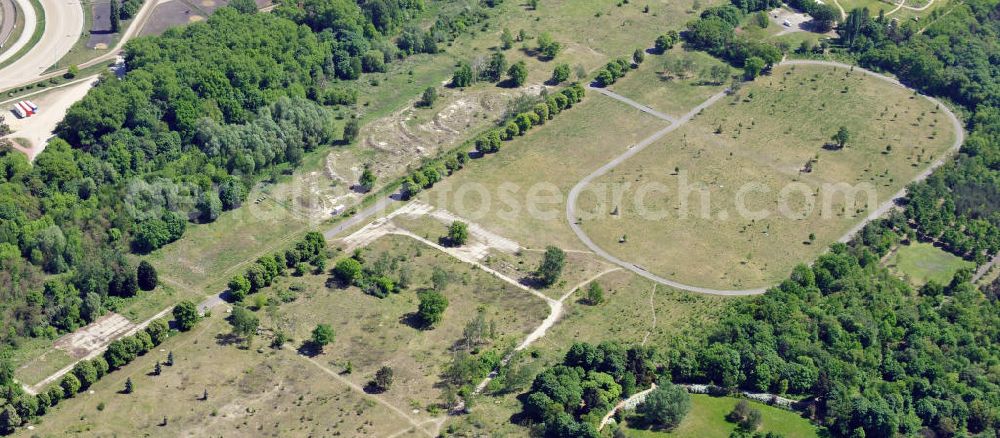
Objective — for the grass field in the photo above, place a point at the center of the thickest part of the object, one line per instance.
(923, 262)
(707, 419)
(371, 332)
(747, 156)
(675, 93)
(250, 392)
(520, 191)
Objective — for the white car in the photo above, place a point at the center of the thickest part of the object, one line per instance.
(787, 24)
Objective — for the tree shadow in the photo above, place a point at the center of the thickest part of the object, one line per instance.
(372, 388)
(414, 321)
(310, 349)
(832, 146)
(227, 339)
(507, 83)
(532, 282)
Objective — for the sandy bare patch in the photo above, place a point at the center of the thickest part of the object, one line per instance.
(195, 18)
(100, 46)
(94, 336)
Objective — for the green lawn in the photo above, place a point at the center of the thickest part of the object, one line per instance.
(922, 262)
(707, 419)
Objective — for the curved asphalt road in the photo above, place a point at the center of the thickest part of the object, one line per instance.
(884, 208)
(63, 23)
(30, 22)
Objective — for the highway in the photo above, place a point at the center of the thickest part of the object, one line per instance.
(63, 21)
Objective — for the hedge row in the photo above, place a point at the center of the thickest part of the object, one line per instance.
(490, 141)
(23, 407)
(311, 249)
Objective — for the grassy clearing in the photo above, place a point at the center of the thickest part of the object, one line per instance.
(674, 93)
(372, 332)
(542, 166)
(521, 266)
(36, 359)
(208, 255)
(707, 419)
(923, 262)
(251, 392)
(746, 151)
(873, 5)
(627, 314)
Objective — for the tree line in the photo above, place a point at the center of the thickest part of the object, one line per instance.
(203, 112)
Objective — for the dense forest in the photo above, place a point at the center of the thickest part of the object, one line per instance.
(203, 112)
(956, 56)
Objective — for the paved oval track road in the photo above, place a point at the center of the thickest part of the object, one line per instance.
(883, 209)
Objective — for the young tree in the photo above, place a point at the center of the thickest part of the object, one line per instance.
(547, 47)
(72, 71)
(157, 369)
(440, 279)
(638, 56)
(368, 178)
(129, 386)
(70, 385)
(383, 379)
(347, 271)
(186, 315)
(244, 322)
(146, 276)
(462, 77)
(170, 358)
(665, 406)
(429, 97)
(239, 287)
(351, 130)
(841, 137)
(458, 233)
(595, 294)
(322, 336)
(666, 42)
(719, 73)
(560, 74)
(518, 74)
(551, 267)
(506, 39)
(752, 67)
(432, 307)
(495, 67)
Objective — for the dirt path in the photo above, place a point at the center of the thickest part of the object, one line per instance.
(843, 14)
(354, 387)
(633, 104)
(629, 403)
(652, 309)
(902, 5)
(574, 194)
(984, 269)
